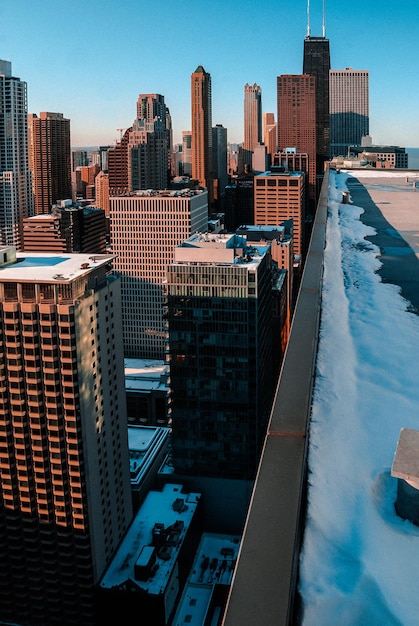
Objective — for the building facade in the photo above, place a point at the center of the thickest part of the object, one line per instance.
(16, 199)
(222, 372)
(201, 107)
(349, 109)
(296, 95)
(64, 459)
(49, 159)
(145, 229)
(219, 161)
(279, 195)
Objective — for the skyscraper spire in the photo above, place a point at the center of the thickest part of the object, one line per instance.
(308, 18)
(324, 19)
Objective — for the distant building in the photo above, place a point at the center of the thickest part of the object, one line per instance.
(187, 153)
(316, 63)
(65, 483)
(145, 229)
(382, 157)
(270, 133)
(201, 107)
(219, 161)
(16, 199)
(349, 109)
(297, 122)
(222, 360)
(252, 120)
(151, 565)
(68, 228)
(78, 159)
(149, 145)
(118, 166)
(49, 159)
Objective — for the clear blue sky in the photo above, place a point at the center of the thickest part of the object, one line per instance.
(90, 60)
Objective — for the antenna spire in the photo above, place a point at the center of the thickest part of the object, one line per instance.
(308, 18)
(324, 20)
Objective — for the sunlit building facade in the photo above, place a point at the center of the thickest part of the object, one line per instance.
(146, 226)
(64, 460)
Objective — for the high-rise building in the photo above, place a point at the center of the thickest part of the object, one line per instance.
(118, 165)
(219, 160)
(64, 460)
(202, 128)
(146, 226)
(102, 192)
(222, 361)
(78, 159)
(349, 109)
(279, 195)
(149, 144)
(252, 120)
(16, 200)
(68, 228)
(187, 153)
(316, 62)
(239, 204)
(270, 134)
(296, 95)
(49, 159)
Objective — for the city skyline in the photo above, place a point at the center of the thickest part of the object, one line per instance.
(91, 64)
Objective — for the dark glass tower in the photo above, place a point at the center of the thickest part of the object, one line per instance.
(317, 63)
(223, 367)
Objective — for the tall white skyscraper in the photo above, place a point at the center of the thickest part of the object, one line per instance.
(349, 109)
(146, 226)
(15, 181)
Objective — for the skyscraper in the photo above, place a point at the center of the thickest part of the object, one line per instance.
(146, 226)
(219, 160)
(297, 121)
(49, 159)
(16, 201)
(149, 144)
(201, 128)
(222, 361)
(349, 109)
(270, 134)
(316, 62)
(64, 463)
(252, 120)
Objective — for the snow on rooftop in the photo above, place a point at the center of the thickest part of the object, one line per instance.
(158, 507)
(360, 561)
(213, 565)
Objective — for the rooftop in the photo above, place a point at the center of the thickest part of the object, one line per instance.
(46, 267)
(166, 508)
(349, 379)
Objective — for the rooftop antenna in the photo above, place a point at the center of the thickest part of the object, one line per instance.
(308, 18)
(324, 21)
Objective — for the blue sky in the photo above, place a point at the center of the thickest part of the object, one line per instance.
(90, 60)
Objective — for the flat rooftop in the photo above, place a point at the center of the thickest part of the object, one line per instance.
(158, 508)
(47, 267)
